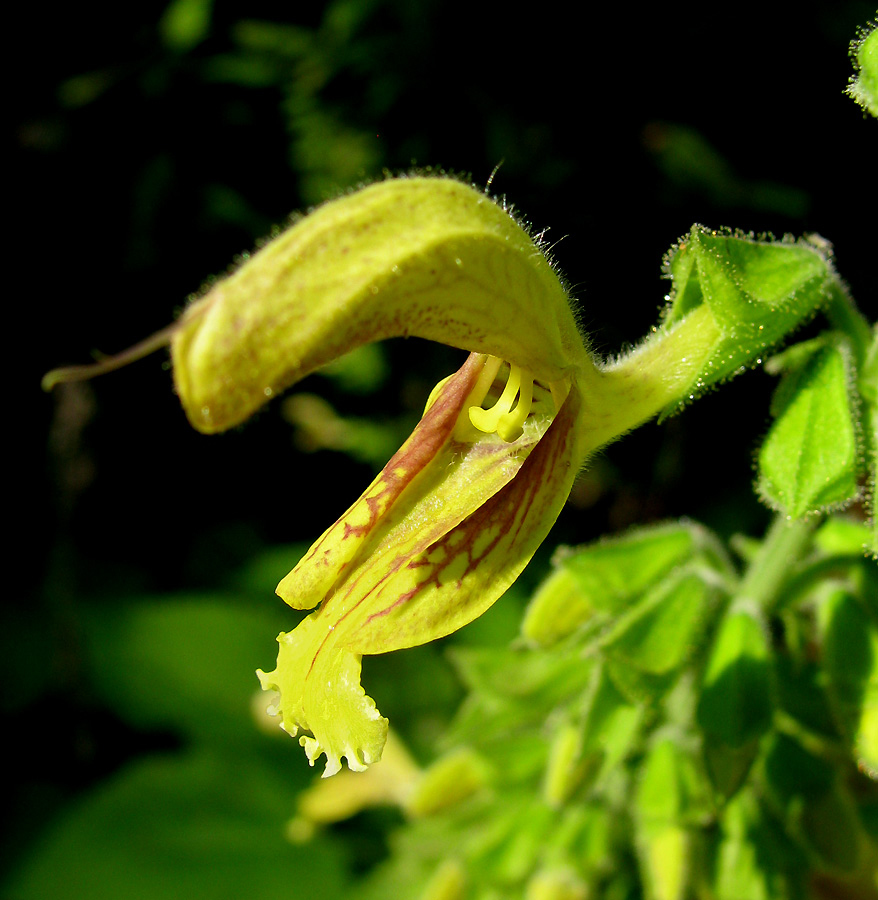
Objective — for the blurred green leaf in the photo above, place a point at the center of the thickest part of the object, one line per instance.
(816, 807)
(744, 865)
(558, 607)
(362, 371)
(448, 781)
(281, 39)
(657, 634)
(792, 771)
(566, 767)
(611, 725)
(319, 427)
(832, 828)
(669, 789)
(186, 663)
(511, 689)
(848, 655)
(259, 576)
(175, 828)
(663, 807)
(728, 766)
(736, 702)
(185, 23)
(511, 672)
(692, 164)
(511, 852)
(840, 536)
(850, 651)
(801, 687)
(587, 835)
(605, 577)
(869, 370)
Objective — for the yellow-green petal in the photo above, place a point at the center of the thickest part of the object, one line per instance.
(319, 684)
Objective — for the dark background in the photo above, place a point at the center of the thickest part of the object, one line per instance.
(145, 158)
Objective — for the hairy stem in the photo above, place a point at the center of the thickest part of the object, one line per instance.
(661, 371)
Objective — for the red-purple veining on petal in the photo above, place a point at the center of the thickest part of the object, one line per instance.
(518, 517)
(425, 442)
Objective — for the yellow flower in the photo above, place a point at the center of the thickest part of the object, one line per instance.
(460, 509)
(458, 512)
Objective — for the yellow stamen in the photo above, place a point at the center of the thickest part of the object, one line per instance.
(504, 418)
(479, 391)
(485, 381)
(511, 423)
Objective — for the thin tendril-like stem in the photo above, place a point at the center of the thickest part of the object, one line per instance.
(110, 363)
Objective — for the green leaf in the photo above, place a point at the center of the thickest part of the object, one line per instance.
(606, 576)
(556, 884)
(808, 462)
(817, 809)
(362, 371)
(745, 866)
(736, 702)
(557, 609)
(585, 834)
(840, 536)
(639, 687)
(665, 861)
(658, 633)
(869, 371)
(792, 771)
(448, 882)
(864, 85)
(611, 725)
(566, 767)
(668, 790)
(801, 686)
(850, 654)
(513, 689)
(177, 828)
(512, 840)
(727, 766)
(832, 829)
(757, 291)
(506, 672)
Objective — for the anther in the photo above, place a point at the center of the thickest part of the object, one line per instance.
(504, 418)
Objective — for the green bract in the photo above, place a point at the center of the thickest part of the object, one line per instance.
(755, 292)
(864, 86)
